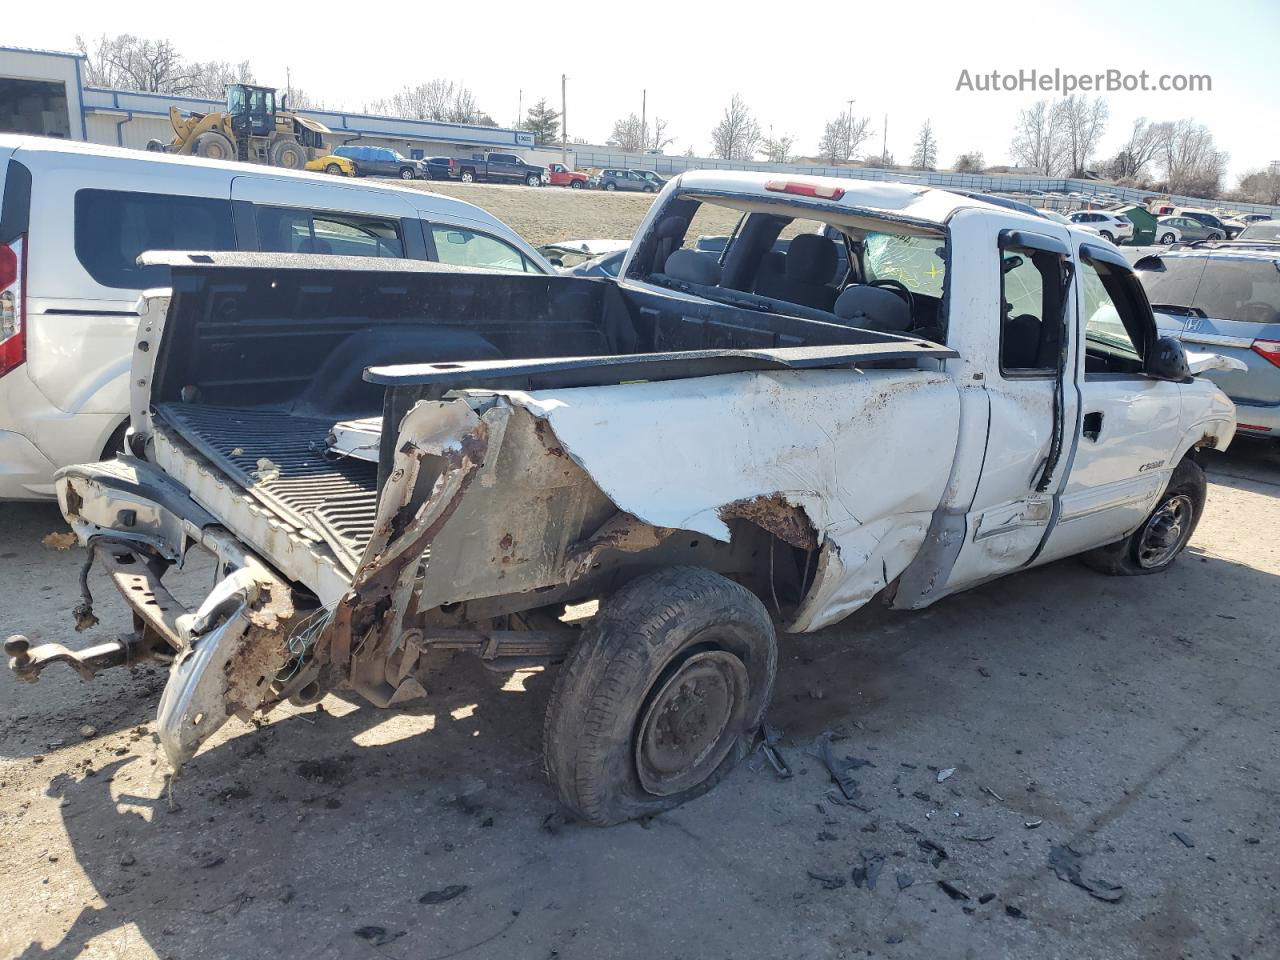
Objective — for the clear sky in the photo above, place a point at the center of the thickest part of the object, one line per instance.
(796, 64)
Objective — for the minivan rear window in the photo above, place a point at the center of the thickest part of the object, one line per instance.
(113, 226)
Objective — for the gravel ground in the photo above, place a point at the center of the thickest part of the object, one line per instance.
(1115, 713)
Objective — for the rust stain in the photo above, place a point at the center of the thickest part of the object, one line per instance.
(774, 515)
(506, 542)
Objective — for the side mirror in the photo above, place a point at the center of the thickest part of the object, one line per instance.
(1167, 360)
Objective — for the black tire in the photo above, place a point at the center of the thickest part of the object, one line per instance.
(1108, 236)
(683, 648)
(575, 184)
(1137, 554)
(288, 154)
(467, 176)
(610, 187)
(214, 146)
(1167, 238)
(533, 180)
(406, 173)
(333, 168)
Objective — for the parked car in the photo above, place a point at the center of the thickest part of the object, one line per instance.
(1167, 233)
(653, 177)
(1112, 227)
(80, 215)
(698, 459)
(501, 168)
(1188, 229)
(382, 162)
(1204, 218)
(558, 175)
(332, 164)
(442, 168)
(614, 179)
(1225, 299)
(1261, 230)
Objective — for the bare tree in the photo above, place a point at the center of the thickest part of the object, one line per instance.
(971, 162)
(135, 63)
(1083, 123)
(736, 135)
(777, 149)
(842, 137)
(659, 140)
(1192, 163)
(1037, 140)
(628, 134)
(1145, 143)
(1260, 186)
(210, 79)
(925, 155)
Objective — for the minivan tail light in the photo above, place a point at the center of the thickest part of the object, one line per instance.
(13, 304)
(805, 189)
(1268, 350)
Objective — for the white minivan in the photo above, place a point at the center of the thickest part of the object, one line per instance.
(73, 219)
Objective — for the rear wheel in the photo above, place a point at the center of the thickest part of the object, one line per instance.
(661, 697)
(467, 176)
(288, 154)
(1164, 534)
(610, 187)
(1167, 238)
(1108, 236)
(214, 146)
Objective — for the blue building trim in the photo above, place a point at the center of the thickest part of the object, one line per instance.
(84, 124)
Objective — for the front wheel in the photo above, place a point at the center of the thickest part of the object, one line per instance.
(406, 173)
(334, 169)
(288, 154)
(1167, 238)
(661, 697)
(533, 180)
(610, 187)
(1164, 534)
(575, 185)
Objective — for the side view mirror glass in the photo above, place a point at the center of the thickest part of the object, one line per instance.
(1167, 360)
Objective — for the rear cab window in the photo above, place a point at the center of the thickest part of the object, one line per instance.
(112, 227)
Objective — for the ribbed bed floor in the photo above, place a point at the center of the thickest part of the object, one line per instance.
(334, 497)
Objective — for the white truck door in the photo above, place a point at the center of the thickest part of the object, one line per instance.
(1015, 288)
(1130, 424)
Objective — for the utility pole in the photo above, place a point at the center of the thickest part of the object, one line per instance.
(848, 132)
(884, 144)
(644, 120)
(519, 108)
(564, 125)
(288, 85)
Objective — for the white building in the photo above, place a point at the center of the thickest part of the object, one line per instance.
(42, 92)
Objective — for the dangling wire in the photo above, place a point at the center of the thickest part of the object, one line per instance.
(304, 637)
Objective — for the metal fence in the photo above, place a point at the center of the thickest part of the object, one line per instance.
(1056, 192)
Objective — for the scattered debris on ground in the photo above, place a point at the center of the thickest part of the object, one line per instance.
(444, 895)
(1068, 864)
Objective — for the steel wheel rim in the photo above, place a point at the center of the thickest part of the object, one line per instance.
(1165, 532)
(690, 722)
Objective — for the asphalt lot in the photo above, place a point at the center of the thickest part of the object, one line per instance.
(1114, 712)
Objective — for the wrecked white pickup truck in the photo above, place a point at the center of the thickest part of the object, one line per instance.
(925, 391)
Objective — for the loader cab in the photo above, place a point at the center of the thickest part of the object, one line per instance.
(252, 109)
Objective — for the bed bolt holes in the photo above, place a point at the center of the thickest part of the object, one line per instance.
(693, 544)
(144, 346)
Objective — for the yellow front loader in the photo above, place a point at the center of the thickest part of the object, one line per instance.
(251, 129)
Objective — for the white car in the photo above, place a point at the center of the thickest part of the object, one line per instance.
(1167, 233)
(74, 218)
(1113, 227)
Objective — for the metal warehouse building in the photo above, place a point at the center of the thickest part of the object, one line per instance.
(42, 92)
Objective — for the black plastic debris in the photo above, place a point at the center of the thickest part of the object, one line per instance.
(986, 898)
(378, 936)
(952, 891)
(834, 796)
(938, 852)
(983, 671)
(767, 739)
(443, 896)
(827, 881)
(1014, 912)
(875, 863)
(921, 795)
(978, 837)
(905, 880)
(840, 770)
(1183, 839)
(1068, 864)
(906, 827)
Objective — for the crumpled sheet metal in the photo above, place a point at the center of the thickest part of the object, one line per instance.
(865, 454)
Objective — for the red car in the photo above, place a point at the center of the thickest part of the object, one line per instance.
(562, 176)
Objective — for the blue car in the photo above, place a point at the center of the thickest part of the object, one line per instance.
(1225, 300)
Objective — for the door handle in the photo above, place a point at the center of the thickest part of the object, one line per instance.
(1092, 425)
